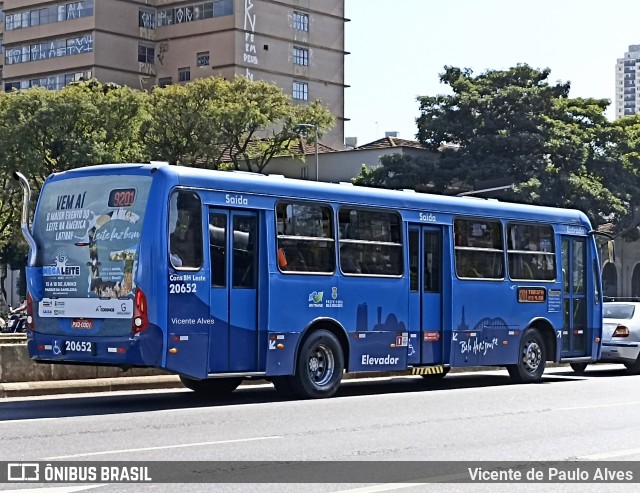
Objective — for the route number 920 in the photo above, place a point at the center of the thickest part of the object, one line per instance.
(182, 288)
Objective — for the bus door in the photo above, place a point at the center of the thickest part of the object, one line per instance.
(574, 277)
(425, 295)
(233, 256)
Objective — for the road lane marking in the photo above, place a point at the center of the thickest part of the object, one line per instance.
(580, 408)
(380, 487)
(610, 455)
(163, 447)
(398, 486)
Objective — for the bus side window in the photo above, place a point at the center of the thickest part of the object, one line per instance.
(304, 239)
(218, 249)
(479, 249)
(185, 230)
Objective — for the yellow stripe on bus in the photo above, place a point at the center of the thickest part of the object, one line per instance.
(428, 370)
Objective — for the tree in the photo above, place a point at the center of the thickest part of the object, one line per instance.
(43, 132)
(513, 123)
(211, 121)
(85, 123)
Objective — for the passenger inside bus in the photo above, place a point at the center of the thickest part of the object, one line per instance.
(282, 259)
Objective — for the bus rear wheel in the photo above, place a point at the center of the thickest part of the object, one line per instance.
(319, 366)
(531, 358)
(213, 387)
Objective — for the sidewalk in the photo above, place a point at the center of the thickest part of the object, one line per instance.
(51, 387)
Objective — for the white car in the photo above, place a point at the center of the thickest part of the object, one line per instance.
(620, 336)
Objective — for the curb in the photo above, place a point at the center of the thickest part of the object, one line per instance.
(51, 387)
(54, 387)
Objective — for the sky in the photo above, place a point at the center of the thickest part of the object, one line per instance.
(398, 48)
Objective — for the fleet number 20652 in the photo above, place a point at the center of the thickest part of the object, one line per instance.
(182, 288)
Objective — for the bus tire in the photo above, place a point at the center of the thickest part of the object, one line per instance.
(213, 387)
(531, 358)
(578, 368)
(319, 366)
(283, 385)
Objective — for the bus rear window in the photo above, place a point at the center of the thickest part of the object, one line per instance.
(89, 229)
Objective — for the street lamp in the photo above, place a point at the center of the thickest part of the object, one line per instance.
(315, 130)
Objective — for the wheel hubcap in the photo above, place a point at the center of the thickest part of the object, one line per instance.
(321, 365)
(532, 356)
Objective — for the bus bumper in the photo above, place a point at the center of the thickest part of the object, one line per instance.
(144, 349)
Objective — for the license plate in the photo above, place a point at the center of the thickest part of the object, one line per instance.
(82, 323)
(78, 347)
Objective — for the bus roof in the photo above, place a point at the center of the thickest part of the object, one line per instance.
(280, 186)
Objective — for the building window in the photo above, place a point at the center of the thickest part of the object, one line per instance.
(300, 90)
(222, 7)
(301, 21)
(146, 54)
(147, 19)
(300, 56)
(51, 49)
(52, 82)
(48, 15)
(184, 74)
(202, 59)
(164, 81)
(194, 12)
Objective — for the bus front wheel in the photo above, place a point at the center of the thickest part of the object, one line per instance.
(319, 366)
(213, 387)
(531, 358)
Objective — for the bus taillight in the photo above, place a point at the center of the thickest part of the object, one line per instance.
(29, 312)
(140, 317)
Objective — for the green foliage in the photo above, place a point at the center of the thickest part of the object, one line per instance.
(400, 171)
(513, 123)
(212, 122)
(43, 132)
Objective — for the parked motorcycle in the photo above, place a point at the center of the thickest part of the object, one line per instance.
(16, 322)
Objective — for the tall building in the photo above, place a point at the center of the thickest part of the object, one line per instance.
(628, 83)
(297, 44)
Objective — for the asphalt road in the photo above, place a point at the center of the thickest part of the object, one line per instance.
(474, 417)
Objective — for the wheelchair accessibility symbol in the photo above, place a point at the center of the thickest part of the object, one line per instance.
(56, 348)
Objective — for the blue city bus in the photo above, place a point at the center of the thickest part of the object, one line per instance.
(225, 276)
